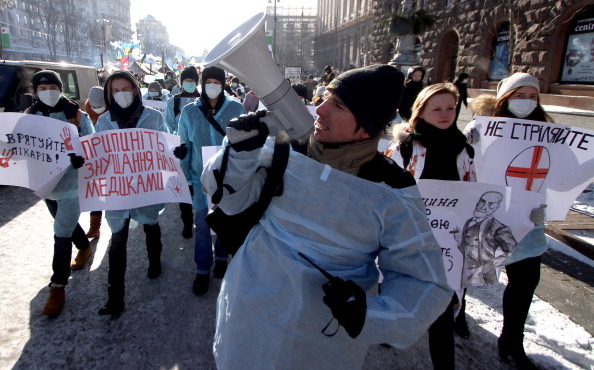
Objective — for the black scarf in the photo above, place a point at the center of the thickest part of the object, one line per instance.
(206, 102)
(443, 148)
(69, 107)
(127, 117)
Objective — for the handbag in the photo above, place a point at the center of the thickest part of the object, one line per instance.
(233, 229)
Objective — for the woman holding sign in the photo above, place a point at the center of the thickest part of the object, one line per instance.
(432, 147)
(517, 97)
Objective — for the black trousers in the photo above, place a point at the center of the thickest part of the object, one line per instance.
(523, 277)
(441, 339)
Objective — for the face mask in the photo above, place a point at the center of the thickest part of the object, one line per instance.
(521, 107)
(153, 94)
(189, 86)
(98, 110)
(213, 90)
(233, 84)
(464, 81)
(124, 98)
(49, 97)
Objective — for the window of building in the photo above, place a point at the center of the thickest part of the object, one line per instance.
(18, 18)
(578, 58)
(500, 53)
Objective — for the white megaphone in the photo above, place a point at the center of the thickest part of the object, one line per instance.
(244, 53)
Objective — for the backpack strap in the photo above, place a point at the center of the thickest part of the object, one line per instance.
(176, 102)
(212, 120)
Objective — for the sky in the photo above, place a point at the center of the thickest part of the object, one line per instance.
(195, 25)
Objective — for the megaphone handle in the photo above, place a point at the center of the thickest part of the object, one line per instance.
(235, 136)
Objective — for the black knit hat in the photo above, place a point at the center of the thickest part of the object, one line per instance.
(371, 93)
(189, 72)
(212, 72)
(46, 77)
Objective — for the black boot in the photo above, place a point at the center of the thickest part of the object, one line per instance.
(514, 348)
(115, 304)
(153, 248)
(460, 324)
(187, 217)
(117, 272)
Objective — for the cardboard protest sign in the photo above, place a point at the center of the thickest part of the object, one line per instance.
(159, 105)
(536, 156)
(130, 168)
(477, 226)
(207, 153)
(34, 151)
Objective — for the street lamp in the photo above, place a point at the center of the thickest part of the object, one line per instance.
(103, 20)
(274, 29)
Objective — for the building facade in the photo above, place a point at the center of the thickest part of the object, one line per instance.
(344, 34)
(554, 41)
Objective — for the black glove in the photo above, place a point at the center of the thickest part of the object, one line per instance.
(180, 151)
(348, 304)
(76, 160)
(249, 122)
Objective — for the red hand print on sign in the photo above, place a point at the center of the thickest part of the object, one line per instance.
(6, 156)
(67, 138)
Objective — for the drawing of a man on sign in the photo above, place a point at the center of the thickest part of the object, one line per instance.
(485, 242)
(555, 159)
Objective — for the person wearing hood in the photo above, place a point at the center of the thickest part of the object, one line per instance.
(155, 92)
(343, 206)
(125, 110)
(62, 202)
(95, 107)
(518, 96)
(328, 75)
(412, 87)
(189, 80)
(203, 123)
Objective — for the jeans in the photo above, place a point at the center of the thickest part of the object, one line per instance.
(203, 245)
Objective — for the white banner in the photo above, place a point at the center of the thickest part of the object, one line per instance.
(159, 105)
(34, 151)
(555, 159)
(130, 168)
(477, 226)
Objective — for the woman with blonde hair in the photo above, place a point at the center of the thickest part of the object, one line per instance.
(431, 146)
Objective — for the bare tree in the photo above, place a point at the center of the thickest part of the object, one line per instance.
(51, 20)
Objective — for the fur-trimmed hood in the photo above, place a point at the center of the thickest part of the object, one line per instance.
(484, 105)
(400, 132)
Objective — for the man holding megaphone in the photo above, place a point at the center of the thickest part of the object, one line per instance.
(308, 267)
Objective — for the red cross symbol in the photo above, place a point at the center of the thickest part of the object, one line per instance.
(530, 173)
(177, 189)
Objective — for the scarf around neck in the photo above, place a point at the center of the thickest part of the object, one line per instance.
(347, 157)
(443, 147)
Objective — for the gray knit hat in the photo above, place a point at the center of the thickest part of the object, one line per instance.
(516, 81)
(96, 98)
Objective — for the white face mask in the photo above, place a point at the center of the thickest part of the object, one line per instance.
(521, 107)
(213, 90)
(189, 86)
(98, 110)
(49, 97)
(124, 98)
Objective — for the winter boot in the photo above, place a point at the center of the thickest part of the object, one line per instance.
(187, 217)
(514, 348)
(219, 269)
(153, 248)
(115, 305)
(200, 285)
(117, 272)
(95, 226)
(460, 325)
(81, 258)
(56, 300)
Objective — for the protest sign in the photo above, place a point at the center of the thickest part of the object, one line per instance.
(477, 226)
(34, 151)
(130, 168)
(555, 159)
(207, 153)
(159, 105)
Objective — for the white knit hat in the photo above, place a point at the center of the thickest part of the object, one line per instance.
(515, 81)
(96, 98)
